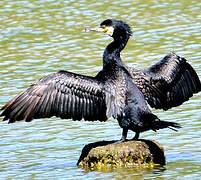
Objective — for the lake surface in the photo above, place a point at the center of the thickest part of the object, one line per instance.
(44, 36)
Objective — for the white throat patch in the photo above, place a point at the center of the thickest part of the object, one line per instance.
(110, 30)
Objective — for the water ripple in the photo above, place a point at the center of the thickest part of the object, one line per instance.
(40, 37)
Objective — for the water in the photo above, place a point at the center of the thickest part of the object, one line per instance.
(40, 37)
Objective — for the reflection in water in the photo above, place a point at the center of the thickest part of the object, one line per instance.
(39, 37)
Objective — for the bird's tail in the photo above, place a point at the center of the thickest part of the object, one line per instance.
(153, 122)
(158, 124)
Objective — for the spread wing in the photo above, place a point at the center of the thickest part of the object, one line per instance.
(168, 83)
(62, 94)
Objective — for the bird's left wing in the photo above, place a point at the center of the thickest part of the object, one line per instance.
(62, 94)
(168, 83)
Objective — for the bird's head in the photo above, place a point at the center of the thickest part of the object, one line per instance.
(114, 28)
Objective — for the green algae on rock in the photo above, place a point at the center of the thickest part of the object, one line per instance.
(108, 154)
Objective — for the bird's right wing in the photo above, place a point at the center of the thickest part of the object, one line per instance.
(62, 94)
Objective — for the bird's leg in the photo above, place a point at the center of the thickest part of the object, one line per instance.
(137, 134)
(124, 135)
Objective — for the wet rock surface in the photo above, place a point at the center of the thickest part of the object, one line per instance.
(111, 154)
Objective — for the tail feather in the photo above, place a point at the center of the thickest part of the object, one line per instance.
(158, 124)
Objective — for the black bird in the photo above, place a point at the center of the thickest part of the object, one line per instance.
(117, 90)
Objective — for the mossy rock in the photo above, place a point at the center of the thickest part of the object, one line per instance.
(108, 154)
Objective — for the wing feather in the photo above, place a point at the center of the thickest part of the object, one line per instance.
(168, 83)
(62, 94)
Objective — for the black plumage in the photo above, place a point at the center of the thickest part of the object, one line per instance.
(137, 116)
(117, 90)
(168, 83)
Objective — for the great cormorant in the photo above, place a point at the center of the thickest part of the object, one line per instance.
(117, 90)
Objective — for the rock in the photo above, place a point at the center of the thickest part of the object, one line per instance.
(108, 154)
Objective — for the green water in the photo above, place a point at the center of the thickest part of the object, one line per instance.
(44, 36)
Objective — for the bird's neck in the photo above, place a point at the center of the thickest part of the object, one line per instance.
(112, 52)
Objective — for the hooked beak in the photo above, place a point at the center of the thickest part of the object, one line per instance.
(108, 30)
(98, 29)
